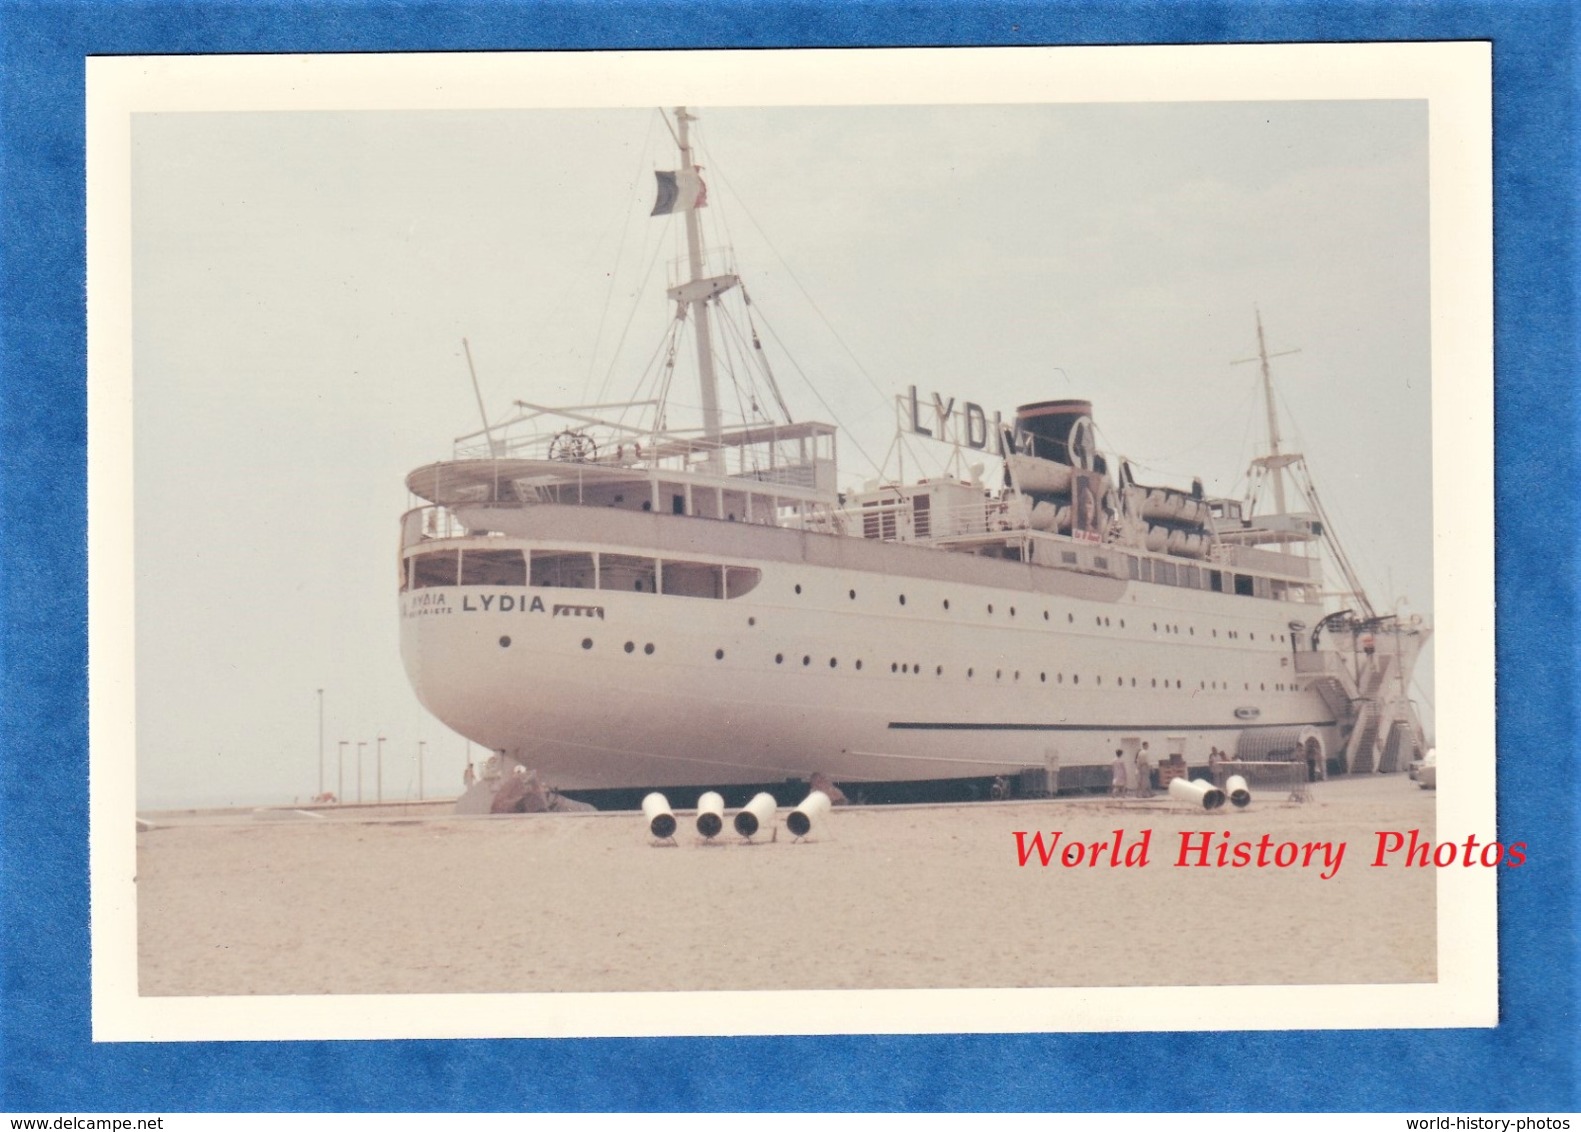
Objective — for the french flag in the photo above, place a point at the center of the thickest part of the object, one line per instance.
(681, 191)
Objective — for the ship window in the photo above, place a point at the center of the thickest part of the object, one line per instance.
(628, 572)
(1167, 571)
(572, 569)
(1243, 585)
(1215, 581)
(921, 516)
(1100, 562)
(1193, 578)
(1135, 568)
(677, 504)
(878, 519)
(437, 568)
(1067, 557)
(692, 579)
(741, 580)
(1261, 587)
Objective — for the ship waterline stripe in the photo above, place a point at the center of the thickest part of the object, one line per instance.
(1111, 727)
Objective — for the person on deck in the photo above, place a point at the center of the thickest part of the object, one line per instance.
(1117, 776)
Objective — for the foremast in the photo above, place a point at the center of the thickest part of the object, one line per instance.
(696, 292)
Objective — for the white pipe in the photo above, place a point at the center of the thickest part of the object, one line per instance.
(755, 814)
(813, 810)
(710, 814)
(661, 822)
(1198, 793)
(1240, 794)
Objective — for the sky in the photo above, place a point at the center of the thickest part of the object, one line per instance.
(302, 283)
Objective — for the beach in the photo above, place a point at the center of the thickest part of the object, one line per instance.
(412, 899)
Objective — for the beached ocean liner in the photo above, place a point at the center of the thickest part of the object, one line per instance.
(617, 603)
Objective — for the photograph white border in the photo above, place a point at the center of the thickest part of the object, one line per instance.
(1453, 78)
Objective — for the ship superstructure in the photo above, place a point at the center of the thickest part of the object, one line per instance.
(615, 603)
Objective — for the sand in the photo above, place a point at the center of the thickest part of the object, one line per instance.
(416, 900)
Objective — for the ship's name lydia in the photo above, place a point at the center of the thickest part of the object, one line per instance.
(438, 605)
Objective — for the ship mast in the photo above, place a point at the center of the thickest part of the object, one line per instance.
(1275, 462)
(698, 297)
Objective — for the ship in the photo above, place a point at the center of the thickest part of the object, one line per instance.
(618, 604)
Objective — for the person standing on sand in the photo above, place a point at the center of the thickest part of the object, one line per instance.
(1144, 772)
(1117, 776)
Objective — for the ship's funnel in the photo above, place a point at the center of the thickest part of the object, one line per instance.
(813, 811)
(1240, 794)
(756, 814)
(710, 814)
(1055, 427)
(1196, 793)
(661, 822)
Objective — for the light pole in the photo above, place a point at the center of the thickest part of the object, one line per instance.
(420, 745)
(360, 745)
(321, 742)
(340, 773)
(378, 780)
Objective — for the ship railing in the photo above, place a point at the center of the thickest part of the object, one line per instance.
(1269, 562)
(431, 521)
(800, 454)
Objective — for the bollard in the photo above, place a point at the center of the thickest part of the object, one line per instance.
(1197, 793)
(661, 822)
(814, 810)
(710, 814)
(1240, 794)
(755, 814)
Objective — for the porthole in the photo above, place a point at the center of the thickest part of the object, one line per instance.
(719, 654)
(587, 642)
(990, 607)
(946, 603)
(939, 671)
(902, 599)
(805, 661)
(631, 646)
(798, 587)
(833, 663)
(1100, 679)
(1045, 615)
(1075, 679)
(751, 621)
(648, 649)
(969, 673)
(779, 658)
(853, 595)
(859, 666)
(893, 667)
(1122, 622)
(505, 642)
(1071, 618)
(1177, 683)
(1018, 674)
(1043, 677)
(1012, 611)
(998, 673)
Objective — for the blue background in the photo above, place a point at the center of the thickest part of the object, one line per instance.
(47, 1061)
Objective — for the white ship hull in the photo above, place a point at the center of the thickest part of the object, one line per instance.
(1025, 666)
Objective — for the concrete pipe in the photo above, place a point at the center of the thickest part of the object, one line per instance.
(661, 822)
(1240, 794)
(1197, 793)
(813, 811)
(710, 814)
(756, 814)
